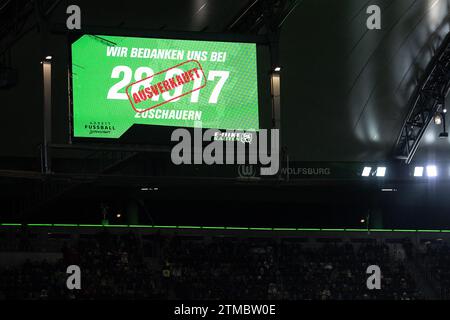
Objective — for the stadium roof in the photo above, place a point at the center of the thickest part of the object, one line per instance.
(345, 89)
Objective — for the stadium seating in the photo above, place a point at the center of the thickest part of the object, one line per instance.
(127, 266)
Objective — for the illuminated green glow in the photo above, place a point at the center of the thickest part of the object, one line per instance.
(165, 227)
(140, 226)
(214, 228)
(68, 225)
(91, 225)
(102, 83)
(116, 226)
(189, 227)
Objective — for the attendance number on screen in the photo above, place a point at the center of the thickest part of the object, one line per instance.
(125, 74)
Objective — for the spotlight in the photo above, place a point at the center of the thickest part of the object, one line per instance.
(277, 69)
(366, 171)
(438, 119)
(432, 171)
(118, 215)
(418, 171)
(381, 171)
(362, 220)
(444, 110)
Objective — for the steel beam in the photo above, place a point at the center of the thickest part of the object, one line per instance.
(428, 99)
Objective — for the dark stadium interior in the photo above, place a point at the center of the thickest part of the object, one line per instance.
(265, 266)
(348, 101)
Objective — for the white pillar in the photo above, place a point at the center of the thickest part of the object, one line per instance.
(47, 116)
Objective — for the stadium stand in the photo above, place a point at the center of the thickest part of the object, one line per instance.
(211, 267)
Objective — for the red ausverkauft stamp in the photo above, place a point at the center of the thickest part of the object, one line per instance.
(187, 73)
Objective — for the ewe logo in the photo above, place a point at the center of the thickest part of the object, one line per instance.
(214, 153)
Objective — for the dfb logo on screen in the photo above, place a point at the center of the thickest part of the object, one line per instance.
(213, 153)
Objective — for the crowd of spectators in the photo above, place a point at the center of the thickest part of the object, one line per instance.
(436, 259)
(264, 269)
(338, 272)
(112, 268)
(212, 268)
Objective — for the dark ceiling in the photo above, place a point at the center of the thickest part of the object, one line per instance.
(345, 89)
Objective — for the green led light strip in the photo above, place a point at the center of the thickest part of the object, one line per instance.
(214, 228)
(87, 225)
(69, 225)
(189, 227)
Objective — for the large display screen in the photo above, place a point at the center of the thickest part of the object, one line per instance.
(121, 81)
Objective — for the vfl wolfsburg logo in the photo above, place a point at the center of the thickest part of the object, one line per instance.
(246, 171)
(246, 137)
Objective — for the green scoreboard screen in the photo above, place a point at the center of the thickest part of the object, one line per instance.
(121, 81)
